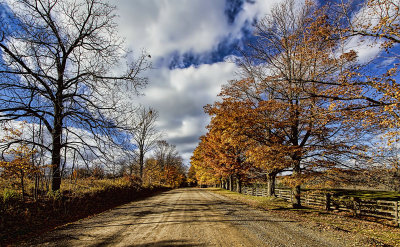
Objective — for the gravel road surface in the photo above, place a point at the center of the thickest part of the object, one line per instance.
(186, 217)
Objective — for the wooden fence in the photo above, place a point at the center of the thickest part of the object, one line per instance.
(376, 208)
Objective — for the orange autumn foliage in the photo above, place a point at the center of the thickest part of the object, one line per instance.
(19, 162)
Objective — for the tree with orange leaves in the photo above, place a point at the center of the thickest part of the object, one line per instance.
(191, 176)
(203, 165)
(227, 140)
(289, 75)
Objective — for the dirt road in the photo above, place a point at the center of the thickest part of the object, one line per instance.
(185, 217)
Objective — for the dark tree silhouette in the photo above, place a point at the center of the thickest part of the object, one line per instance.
(62, 64)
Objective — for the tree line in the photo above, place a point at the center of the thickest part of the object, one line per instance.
(305, 105)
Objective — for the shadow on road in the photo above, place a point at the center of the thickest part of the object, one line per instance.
(166, 243)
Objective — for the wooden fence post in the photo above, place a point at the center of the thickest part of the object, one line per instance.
(396, 213)
(355, 205)
(307, 198)
(328, 201)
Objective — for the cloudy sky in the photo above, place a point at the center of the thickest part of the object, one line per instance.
(190, 42)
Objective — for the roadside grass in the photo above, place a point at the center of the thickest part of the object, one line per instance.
(365, 231)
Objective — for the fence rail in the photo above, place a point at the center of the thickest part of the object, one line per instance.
(389, 210)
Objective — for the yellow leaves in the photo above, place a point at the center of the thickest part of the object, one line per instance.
(392, 71)
(20, 162)
(349, 56)
(332, 106)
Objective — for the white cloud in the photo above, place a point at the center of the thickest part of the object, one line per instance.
(179, 95)
(164, 27)
(367, 48)
(367, 19)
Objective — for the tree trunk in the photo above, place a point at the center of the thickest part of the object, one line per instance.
(22, 185)
(271, 183)
(56, 151)
(231, 182)
(238, 185)
(36, 188)
(141, 163)
(328, 202)
(73, 166)
(296, 197)
(296, 203)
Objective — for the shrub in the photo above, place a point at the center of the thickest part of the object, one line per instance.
(54, 195)
(9, 195)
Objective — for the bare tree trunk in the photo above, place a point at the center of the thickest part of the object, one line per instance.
(36, 184)
(62, 171)
(230, 182)
(296, 190)
(328, 202)
(238, 184)
(22, 184)
(56, 151)
(141, 163)
(73, 165)
(36, 188)
(41, 177)
(271, 178)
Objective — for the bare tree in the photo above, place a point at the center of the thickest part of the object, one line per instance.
(169, 163)
(62, 65)
(145, 134)
(166, 153)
